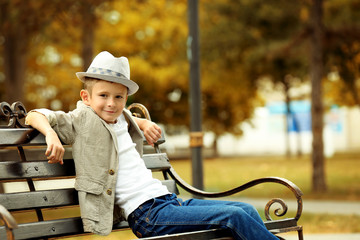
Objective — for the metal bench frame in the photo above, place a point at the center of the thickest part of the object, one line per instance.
(16, 135)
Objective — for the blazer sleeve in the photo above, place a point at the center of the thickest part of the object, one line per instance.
(62, 123)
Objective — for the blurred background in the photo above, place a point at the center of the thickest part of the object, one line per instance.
(279, 79)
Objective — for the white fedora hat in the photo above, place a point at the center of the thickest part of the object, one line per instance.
(109, 68)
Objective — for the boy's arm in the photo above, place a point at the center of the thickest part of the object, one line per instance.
(55, 151)
(152, 132)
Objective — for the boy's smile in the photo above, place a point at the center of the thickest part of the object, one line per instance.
(107, 99)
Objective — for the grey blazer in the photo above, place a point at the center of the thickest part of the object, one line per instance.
(94, 149)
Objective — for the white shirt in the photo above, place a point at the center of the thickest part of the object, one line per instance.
(135, 184)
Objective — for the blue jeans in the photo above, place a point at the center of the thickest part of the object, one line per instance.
(169, 214)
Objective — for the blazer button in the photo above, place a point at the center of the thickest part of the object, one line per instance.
(109, 192)
(111, 172)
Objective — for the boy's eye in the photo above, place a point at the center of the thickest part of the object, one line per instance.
(119, 96)
(102, 95)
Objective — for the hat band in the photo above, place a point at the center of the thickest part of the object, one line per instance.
(104, 71)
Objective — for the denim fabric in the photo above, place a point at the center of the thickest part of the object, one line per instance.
(169, 214)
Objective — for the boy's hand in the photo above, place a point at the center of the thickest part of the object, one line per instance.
(152, 132)
(55, 150)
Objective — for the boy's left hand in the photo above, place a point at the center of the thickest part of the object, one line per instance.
(152, 131)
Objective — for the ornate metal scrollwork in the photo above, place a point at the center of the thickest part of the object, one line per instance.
(139, 110)
(14, 115)
(278, 212)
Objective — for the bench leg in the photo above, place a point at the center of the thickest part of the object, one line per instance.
(300, 234)
(9, 234)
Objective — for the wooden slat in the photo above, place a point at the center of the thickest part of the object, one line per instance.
(53, 228)
(39, 199)
(197, 235)
(32, 154)
(73, 226)
(41, 169)
(21, 136)
(282, 223)
(30, 136)
(51, 198)
(156, 161)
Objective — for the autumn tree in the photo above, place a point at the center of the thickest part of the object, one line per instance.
(241, 45)
(86, 14)
(152, 34)
(25, 28)
(342, 51)
(266, 41)
(241, 41)
(19, 22)
(337, 42)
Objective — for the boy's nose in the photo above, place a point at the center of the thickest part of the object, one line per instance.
(111, 102)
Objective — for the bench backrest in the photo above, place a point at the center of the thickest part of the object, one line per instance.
(22, 160)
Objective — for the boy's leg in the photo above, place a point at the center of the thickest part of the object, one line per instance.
(248, 208)
(168, 215)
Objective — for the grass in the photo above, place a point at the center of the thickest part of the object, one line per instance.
(330, 223)
(342, 176)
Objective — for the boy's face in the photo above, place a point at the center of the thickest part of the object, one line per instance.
(107, 99)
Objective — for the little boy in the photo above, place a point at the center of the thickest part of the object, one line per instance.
(112, 180)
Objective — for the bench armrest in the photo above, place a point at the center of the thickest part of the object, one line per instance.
(278, 212)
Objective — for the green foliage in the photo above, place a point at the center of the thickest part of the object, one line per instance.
(343, 52)
(241, 42)
(153, 36)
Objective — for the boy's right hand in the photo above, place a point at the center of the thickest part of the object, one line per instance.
(55, 150)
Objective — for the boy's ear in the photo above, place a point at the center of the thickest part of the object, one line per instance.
(85, 96)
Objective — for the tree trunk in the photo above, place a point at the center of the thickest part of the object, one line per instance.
(214, 147)
(14, 66)
(287, 117)
(316, 74)
(88, 26)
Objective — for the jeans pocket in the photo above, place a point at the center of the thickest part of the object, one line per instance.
(140, 227)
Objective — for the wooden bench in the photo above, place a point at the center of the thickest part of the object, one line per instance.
(55, 210)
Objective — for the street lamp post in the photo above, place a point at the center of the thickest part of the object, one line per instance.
(196, 135)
